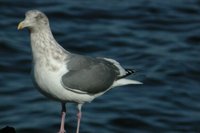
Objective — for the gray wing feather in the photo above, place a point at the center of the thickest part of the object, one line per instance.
(89, 75)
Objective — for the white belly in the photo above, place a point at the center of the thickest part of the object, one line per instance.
(49, 83)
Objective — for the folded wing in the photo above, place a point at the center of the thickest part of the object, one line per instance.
(89, 75)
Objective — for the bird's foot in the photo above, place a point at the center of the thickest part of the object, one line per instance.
(62, 131)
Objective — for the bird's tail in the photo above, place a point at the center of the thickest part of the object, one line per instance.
(122, 82)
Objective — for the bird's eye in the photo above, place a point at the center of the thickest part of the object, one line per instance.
(39, 16)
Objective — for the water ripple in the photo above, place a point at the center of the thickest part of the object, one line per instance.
(158, 38)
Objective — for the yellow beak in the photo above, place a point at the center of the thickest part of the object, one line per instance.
(20, 26)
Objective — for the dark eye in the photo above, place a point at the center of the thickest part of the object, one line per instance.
(39, 16)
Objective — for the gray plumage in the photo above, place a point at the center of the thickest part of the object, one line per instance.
(68, 77)
(86, 73)
(81, 75)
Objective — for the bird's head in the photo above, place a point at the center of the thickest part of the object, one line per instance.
(34, 19)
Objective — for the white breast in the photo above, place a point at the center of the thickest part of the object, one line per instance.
(49, 83)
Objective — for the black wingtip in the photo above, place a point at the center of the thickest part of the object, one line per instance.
(128, 72)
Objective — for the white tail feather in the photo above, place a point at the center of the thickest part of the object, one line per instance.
(122, 82)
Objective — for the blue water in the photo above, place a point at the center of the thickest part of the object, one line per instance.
(160, 39)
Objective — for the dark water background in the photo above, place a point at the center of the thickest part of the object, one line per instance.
(159, 38)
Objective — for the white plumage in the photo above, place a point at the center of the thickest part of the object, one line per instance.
(68, 77)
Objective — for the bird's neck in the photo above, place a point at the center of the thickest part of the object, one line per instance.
(45, 48)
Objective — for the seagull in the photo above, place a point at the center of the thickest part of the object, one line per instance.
(68, 77)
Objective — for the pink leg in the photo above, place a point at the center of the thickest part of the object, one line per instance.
(79, 117)
(62, 126)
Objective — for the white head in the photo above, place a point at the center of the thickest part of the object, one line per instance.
(34, 20)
